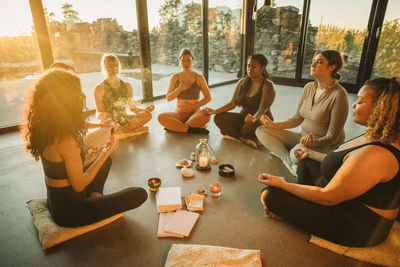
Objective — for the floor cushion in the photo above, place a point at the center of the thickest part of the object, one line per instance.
(384, 254)
(51, 234)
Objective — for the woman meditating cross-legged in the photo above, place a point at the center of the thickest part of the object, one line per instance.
(255, 94)
(185, 86)
(356, 196)
(322, 112)
(113, 96)
(53, 129)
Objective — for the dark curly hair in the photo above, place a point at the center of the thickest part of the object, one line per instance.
(55, 108)
(384, 121)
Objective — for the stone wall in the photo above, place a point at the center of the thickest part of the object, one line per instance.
(276, 36)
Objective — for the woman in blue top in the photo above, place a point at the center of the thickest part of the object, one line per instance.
(356, 196)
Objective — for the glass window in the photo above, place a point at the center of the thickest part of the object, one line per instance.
(173, 25)
(335, 25)
(19, 60)
(387, 58)
(224, 40)
(82, 31)
(277, 35)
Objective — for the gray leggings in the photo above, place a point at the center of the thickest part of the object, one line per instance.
(283, 143)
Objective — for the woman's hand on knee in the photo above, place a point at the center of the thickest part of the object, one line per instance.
(209, 111)
(249, 119)
(149, 108)
(267, 122)
(307, 140)
(271, 180)
(302, 153)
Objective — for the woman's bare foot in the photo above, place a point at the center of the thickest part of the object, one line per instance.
(95, 194)
(249, 142)
(272, 215)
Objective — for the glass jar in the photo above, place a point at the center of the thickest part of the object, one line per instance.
(203, 155)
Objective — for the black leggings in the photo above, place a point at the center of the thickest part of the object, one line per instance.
(86, 210)
(349, 223)
(232, 124)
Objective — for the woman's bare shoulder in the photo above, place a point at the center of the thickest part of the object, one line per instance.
(99, 88)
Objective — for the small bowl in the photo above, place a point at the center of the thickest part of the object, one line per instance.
(226, 170)
(154, 184)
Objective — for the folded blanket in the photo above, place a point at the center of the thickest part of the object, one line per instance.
(385, 254)
(203, 255)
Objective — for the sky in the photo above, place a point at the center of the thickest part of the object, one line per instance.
(16, 18)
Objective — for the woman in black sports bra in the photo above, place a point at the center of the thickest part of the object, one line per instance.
(255, 94)
(354, 198)
(53, 129)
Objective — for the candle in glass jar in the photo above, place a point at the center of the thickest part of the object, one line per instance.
(215, 188)
(203, 161)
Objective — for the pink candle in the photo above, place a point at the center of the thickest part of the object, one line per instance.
(215, 188)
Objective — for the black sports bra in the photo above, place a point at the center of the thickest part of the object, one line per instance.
(57, 170)
(383, 195)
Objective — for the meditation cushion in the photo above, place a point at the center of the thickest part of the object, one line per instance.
(384, 254)
(203, 255)
(51, 234)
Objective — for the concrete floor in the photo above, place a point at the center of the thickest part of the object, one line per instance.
(236, 220)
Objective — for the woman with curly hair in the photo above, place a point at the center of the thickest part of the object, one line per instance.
(356, 197)
(53, 129)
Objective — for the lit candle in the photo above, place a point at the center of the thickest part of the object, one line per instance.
(215, 188)
(203, 161)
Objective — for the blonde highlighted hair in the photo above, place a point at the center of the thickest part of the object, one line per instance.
(384, 121)
(107, 58)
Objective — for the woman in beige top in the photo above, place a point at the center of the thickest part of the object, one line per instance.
(321, 112)
(185, 86)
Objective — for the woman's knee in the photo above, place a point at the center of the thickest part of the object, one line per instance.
(162, 118)
(273, 198)
(220, 119)
(137, 194)
(261, 132)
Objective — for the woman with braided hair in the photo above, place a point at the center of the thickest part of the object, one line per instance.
(356, 196)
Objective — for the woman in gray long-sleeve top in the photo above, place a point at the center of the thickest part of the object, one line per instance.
(321, 112)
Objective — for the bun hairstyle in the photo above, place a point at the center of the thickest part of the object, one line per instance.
(334, 58)
(384, 121)
(185, 51)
